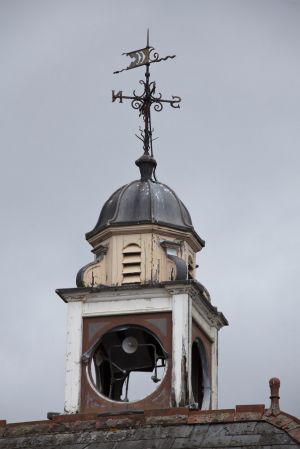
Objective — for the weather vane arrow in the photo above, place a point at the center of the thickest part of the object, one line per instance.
(145, 57)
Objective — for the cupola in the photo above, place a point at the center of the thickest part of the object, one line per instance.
(144, 218)
(142, 332)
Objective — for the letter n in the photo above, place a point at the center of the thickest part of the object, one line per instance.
(117, 96)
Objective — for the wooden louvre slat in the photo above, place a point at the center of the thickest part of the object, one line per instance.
(130, 269)
(132, 249)
(129, 279)
(132, 259)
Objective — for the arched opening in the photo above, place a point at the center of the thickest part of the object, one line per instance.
(200, 376)
(128, 364)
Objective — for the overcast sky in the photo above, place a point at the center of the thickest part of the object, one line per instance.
(231, 153)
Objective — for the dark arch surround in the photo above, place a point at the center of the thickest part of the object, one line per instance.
(201, 387)
(94, 327)
(103, 376)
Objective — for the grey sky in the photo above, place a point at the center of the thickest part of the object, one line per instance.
(231, 153)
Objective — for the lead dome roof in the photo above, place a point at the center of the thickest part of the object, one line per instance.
(145, 201)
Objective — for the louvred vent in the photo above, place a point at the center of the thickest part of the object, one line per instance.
(131, 264)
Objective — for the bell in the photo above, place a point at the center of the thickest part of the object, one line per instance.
(130, 345)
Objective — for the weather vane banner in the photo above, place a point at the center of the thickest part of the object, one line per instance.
(144, 56)
(140, 57)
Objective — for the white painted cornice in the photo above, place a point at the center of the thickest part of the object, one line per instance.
(189, 237)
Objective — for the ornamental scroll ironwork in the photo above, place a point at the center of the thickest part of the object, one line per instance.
(149, 97)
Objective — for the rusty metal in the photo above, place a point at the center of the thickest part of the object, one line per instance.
(149, 97)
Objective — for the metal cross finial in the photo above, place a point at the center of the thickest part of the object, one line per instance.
(145, 57)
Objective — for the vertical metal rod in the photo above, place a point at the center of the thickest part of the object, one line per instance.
(126, 391)
(147, 105)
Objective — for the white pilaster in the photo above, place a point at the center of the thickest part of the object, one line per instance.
(214, 371)
(181, 342)
(73, 364)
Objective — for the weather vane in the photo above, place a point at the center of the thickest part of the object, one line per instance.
(145, 57)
